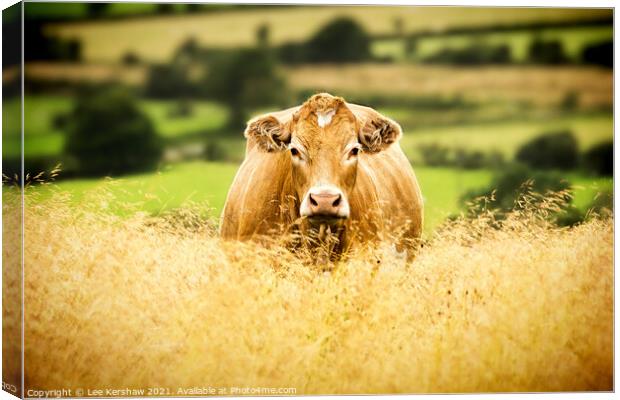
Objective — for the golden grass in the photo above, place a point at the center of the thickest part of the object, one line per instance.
(144, 302)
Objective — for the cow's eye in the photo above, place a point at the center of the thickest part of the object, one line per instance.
(354, 152)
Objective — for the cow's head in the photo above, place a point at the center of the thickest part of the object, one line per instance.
(324, 139)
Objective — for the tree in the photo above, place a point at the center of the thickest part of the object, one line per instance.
(96, 10)
(550, 150)
(342, 40)
(243, 79)
(599, 54)
(262, 36)
(600, 159)
(109, 135)
(543, 51)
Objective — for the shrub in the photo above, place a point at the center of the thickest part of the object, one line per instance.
(600, 159)
(109, 134)
(508, 185)
(570, 101)
(599, 53)
(342, 40)
(167, 81)
(434, 154)
(292, 53)
(543, 51)
(96, 10)
(477, 53)
(214, 151)
(603, 201)
(182, 108)
(550, 150)
(130, 58)
(165, 8)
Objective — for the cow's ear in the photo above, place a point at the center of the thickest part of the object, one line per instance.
(271, 132)
(376, 131)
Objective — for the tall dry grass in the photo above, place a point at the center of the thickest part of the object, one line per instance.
(141, 302)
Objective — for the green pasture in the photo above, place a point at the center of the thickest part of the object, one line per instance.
(43, 138)
(208, 182)
(573, 40)
(105, 41)
(507, 136)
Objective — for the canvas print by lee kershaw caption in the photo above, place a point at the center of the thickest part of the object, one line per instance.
(283, 200)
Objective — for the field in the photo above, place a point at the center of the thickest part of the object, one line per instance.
(128, 285)
(206, 184)
(490, 126)
(506, 137)
(573, 41)
(42, 138)
(163, 302)
(531, 86)
(108, 41)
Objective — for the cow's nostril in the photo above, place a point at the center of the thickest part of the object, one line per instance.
(336, 202)
(312, 201)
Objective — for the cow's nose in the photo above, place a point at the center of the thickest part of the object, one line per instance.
(325, 204)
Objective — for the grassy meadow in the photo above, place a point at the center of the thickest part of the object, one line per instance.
(129, 286)
(163, 302)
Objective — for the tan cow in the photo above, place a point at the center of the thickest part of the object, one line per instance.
(325, 166)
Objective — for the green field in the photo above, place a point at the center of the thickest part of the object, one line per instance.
(507, 136)
(208, 183)
(42, 138)
(573, 41)
(105, 41)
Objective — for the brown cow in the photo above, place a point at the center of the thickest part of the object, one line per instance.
(324, 166)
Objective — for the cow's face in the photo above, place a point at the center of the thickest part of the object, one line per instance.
(324, 139)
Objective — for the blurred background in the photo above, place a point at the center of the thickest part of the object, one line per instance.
(157, 95)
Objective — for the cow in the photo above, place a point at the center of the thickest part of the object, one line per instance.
(326, 168)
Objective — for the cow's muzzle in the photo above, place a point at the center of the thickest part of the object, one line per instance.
(324, 204)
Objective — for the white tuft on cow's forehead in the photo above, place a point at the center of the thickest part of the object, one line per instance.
(325, 117)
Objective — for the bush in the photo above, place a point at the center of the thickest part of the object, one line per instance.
(546, 52)
(167, 81)
(600, 159)
(434, 154)
(110, 135)
(551, 150)
(603, 201)
(182, 108)
(214, 151)
(292, 53)
(475, 159)
(508, 186)
(130, 58)
(599, 54)
(478, 53)
(342, 40)
(164, 8)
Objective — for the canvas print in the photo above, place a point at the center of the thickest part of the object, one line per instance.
(283, 200)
